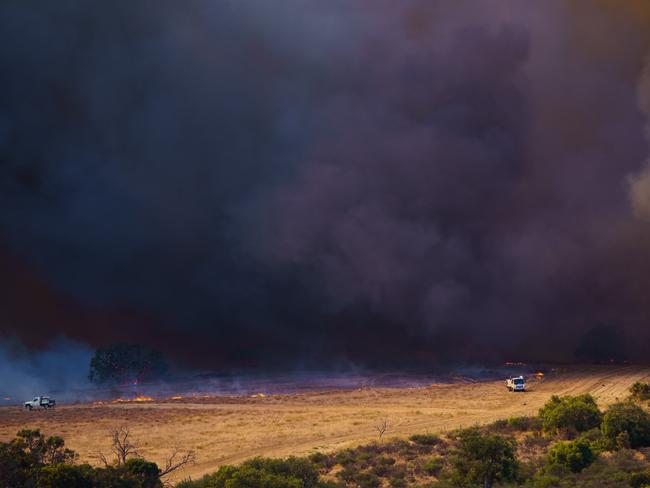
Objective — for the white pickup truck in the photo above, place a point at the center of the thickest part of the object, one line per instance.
(516, 384)
(40, 402)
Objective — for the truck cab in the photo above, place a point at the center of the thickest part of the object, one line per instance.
(516, 384)
(40, 402)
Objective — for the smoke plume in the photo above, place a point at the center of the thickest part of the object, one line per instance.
(309, 183)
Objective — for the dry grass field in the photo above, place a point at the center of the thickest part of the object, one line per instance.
(230, 429)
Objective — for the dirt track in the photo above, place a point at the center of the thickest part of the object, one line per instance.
(230, 429)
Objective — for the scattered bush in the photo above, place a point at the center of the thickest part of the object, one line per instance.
(640, 391)
(626, 423)
(261, 472)
(518, 424)
(367, 480)
(425, 439)
(397, 483)
(484, 459)
(639, 480)
(570, 414)
(433, 466)
(576, 455)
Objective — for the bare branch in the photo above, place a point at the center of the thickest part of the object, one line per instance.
(177, 460)
(122, 446)
(103, 459)
(381, 427)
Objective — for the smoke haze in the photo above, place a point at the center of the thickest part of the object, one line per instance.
(57, 370)
(305, 183)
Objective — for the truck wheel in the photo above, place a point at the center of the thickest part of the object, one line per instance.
(29, 407)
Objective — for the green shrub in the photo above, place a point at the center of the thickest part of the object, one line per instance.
(483, 458)
(639, 480)
(433, 466)
(596, 440)
(263, 472)
(66, 476)
(425, 439)
(33, 460)
(367, 480)
(570, 414)
(499, 425)
(397, 483)
(348, 474)
(576, 455)
(345, 457)
(626, 418)
(524, 423)
(146, 471)
(640, 391)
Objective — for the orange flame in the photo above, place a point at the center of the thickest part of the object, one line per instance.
(135, 399)
(143, 399)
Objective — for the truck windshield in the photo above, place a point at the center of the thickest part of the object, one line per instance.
(519, 381)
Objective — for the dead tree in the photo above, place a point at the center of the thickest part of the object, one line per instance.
(121, 447)
(381, 428)
(177, 460)
(124, 448)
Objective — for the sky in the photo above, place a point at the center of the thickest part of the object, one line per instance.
(254, 184)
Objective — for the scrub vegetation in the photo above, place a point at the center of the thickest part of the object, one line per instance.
(570, 443)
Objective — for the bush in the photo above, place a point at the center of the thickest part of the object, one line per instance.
(146, 471)
(626, 418)
(425, 439)
(347, 474)
(576, 455)
(596, 440)
(639, 480)
(262, 472)
(397, 483)
(524, 423)
(484, 459)
(640, 391)
(570, 414)
(433, 466)
(367, 480)
(66, 476)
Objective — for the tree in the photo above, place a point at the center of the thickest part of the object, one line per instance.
(575, 455)
(127, 456)
(602, 344)
(626, 418)
(483, 459)
(43, 451)
(121, 446)
(146, 471)
(32, 460)
(381, 428)
(570, 414)
(126, 363)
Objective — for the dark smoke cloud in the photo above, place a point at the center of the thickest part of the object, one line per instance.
(255, 183)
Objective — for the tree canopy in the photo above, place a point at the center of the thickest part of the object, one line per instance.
(126, 363)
